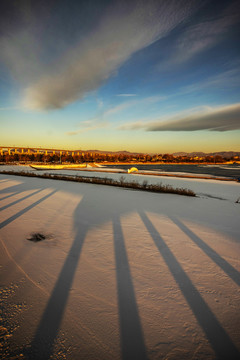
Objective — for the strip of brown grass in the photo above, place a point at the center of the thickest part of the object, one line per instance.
(158, 188)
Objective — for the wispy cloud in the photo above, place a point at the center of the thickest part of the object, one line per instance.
(88, 125)
(226, 79)
(100, 103)
(223, 118)
(130, 104)
(118, 108)
(201, 36)
(154, 99)
(104, 118)
(125, 29)
(127, 95)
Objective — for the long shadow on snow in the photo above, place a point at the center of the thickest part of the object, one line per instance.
(132, 340)
(24, 210)
(42, 344)
(19, 200)
(89, 213)
(19, 188)
(216, 335)
(10, 195)
(22, 187)
(212, 254)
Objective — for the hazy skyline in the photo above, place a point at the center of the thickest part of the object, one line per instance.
(156, 76)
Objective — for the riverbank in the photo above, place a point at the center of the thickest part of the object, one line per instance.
(181, 171)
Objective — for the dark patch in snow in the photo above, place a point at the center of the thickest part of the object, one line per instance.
(35, 237)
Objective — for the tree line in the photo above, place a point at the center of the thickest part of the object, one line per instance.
(110, 157)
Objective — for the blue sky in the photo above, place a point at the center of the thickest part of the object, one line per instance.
(156, 76)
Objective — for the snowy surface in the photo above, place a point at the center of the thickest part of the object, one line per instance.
(122, 274)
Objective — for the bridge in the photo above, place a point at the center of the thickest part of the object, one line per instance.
(11, 150)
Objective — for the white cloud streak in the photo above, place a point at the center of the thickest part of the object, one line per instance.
(86, 66)
(225, 118)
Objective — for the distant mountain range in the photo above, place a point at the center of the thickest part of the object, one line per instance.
(124, 152)
(225, 154)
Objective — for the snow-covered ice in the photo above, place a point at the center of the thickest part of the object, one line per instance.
(122, 274)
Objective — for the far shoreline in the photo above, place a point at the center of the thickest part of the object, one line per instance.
(103, 163)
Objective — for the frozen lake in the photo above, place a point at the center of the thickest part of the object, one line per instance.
(232, 171)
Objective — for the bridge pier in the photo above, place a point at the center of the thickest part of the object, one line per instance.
(34, 150)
